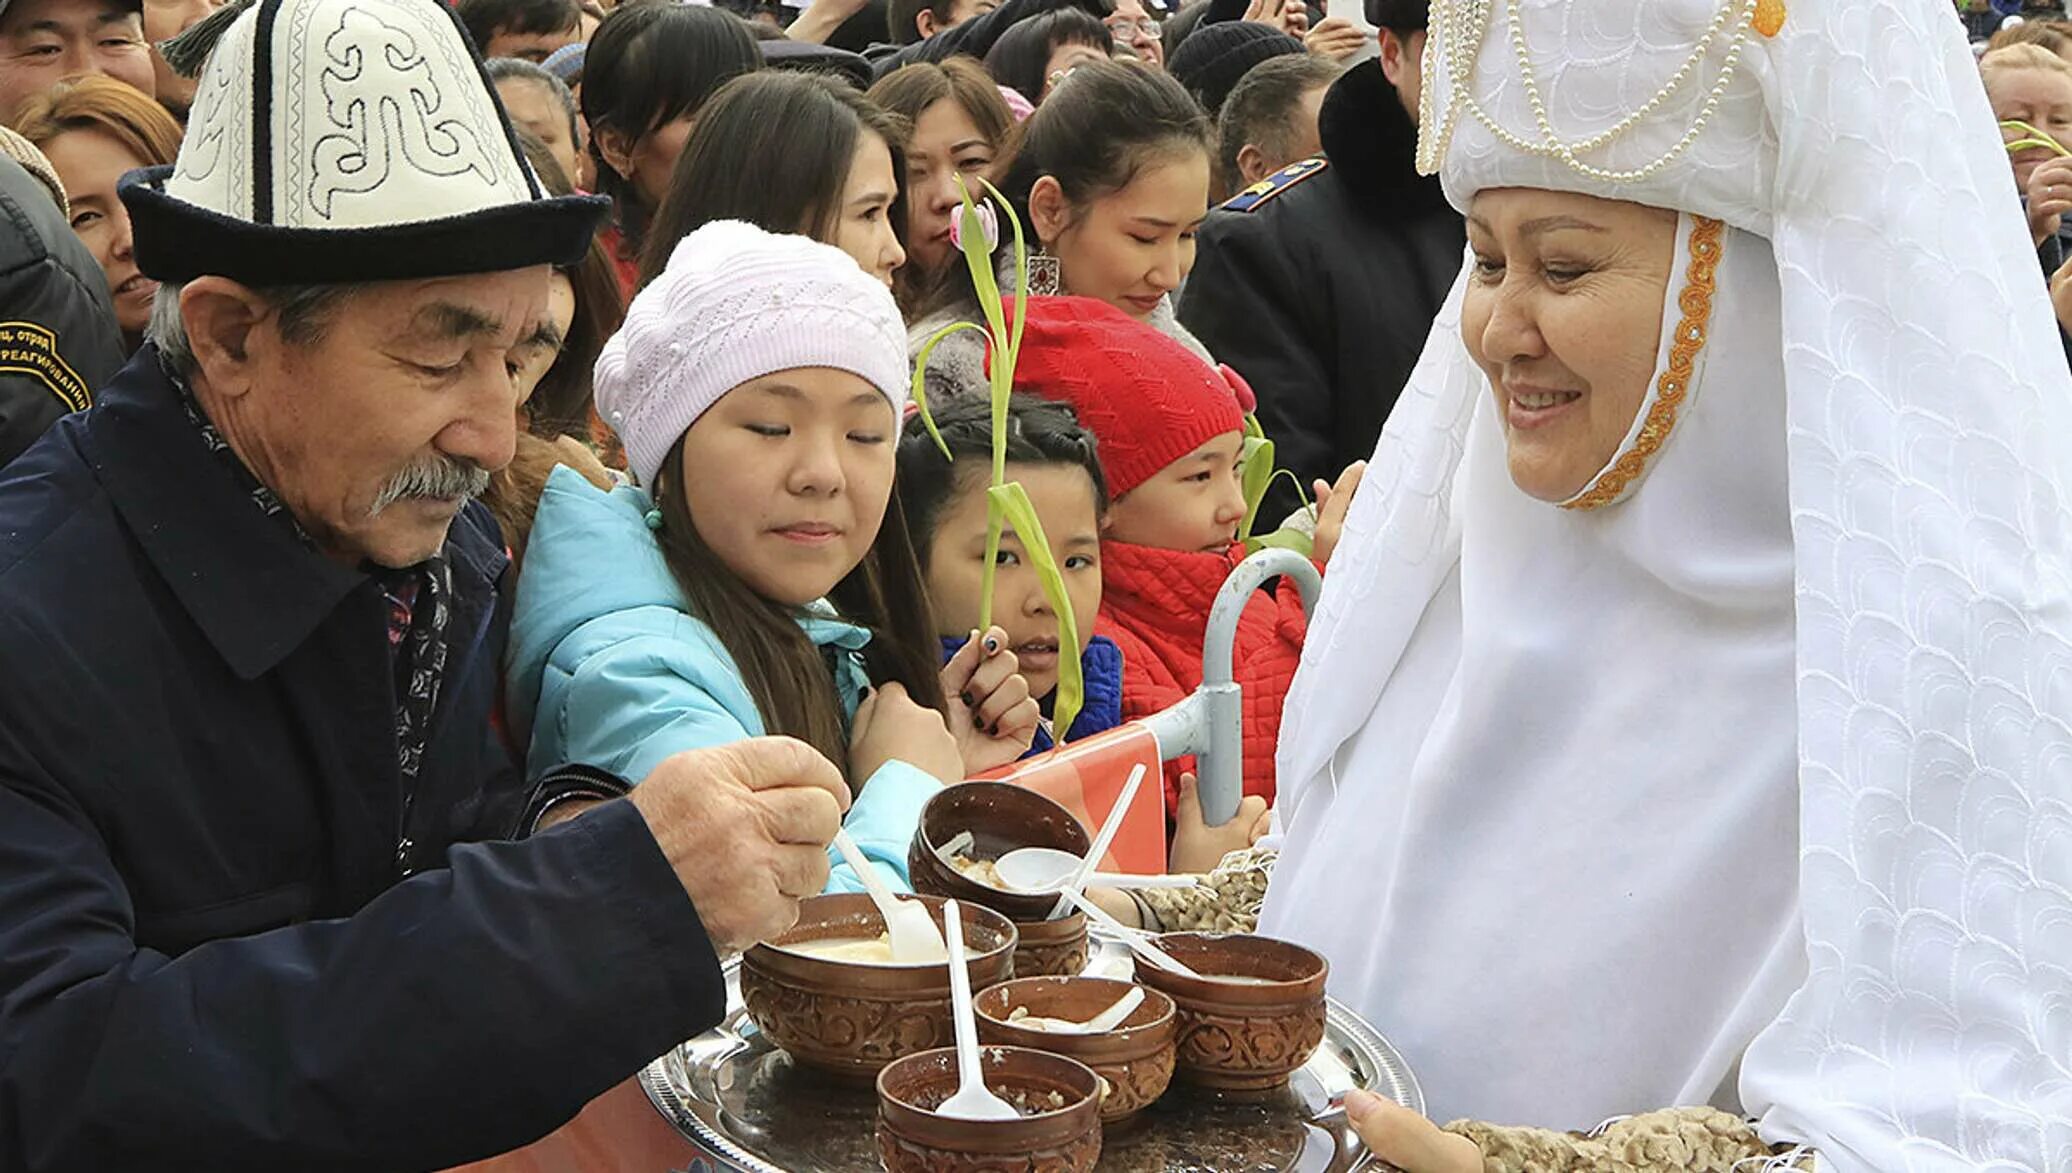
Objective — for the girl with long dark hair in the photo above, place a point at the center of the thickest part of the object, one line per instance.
(839, 178)
(761, 578)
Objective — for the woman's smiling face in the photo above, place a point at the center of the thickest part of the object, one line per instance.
(1563, 313)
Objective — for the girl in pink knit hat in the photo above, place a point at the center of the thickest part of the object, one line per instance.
(759, 579)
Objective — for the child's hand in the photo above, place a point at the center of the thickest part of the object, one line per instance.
(890, 725)
(1332, 503)
(992, 715)
(1198, 847)
(577, 455)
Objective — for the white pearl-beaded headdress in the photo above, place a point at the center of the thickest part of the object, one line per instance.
(1659, 103)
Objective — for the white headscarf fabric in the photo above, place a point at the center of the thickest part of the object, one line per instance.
(1550, 779)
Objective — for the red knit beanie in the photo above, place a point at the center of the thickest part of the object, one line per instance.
(1147, 399)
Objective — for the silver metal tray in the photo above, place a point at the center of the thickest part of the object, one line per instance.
(752, 1110)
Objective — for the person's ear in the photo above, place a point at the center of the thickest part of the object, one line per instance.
(1394, 54)
(616, 149)
(925, 23)
(1049, 210)
(224, 323)
(1251, 165)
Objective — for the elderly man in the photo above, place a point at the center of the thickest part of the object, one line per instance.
(260, 903)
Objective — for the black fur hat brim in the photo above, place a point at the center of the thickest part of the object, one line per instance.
(177, 241)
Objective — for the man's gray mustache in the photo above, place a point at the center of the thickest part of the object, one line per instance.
(441, 478)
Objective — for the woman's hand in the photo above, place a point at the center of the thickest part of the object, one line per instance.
(1336, 38)
(1289, 16)
(1332, 503)
(2050, 197)
(890, 725)
(992, 715)
(1197, 847)
(1406, 1140)
(822, 18)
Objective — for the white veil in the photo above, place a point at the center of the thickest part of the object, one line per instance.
(1926, 426)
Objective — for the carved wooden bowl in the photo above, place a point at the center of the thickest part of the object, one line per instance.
(1062, 1135)
(851, 1018)
(1001, 817)
(1242, 1037)
(1050, 947)
(1135, 1059)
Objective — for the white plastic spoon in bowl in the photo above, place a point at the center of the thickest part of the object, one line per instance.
(912, 932)
(973, 1101)
(1109, 827)
(1134, 938)
(1038, 870)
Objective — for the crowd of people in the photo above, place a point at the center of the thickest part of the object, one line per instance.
(488, 488)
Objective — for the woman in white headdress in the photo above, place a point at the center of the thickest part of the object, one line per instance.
(1685, 720)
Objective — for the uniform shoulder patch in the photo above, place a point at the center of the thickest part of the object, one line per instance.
(1273, 185)
(29, 349)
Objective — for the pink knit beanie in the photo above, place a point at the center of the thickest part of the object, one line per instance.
(737, 303)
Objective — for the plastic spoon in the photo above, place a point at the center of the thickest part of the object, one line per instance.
(1106, 1020)
(973, 1101)
(1109, 827)
(1036, 870)
(1131, 937)
(915, 939)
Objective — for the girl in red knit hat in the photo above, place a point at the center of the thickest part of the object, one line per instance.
(1171, 435)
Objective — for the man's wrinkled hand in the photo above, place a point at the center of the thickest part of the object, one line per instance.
(746, 827)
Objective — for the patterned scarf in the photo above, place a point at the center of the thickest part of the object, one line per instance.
(419, 602)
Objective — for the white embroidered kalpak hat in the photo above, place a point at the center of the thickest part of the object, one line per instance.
(343, 141)
(1538, 762)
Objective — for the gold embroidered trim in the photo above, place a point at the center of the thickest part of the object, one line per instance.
(1696, 303)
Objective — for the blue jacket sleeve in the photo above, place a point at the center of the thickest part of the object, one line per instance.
(882, 821)
(635, 702)
(463, 1012)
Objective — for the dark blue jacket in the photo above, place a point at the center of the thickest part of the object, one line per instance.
(208, 958)
(1100, 711)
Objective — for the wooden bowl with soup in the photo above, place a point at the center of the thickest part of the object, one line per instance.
(1000, 817)
(1253, 1017)
(827, 992)
(1135, 1059)
(1059, 1130)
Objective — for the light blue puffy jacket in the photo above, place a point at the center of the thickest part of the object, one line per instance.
(607, 667)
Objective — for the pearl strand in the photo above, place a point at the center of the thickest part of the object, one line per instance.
(1465, 27)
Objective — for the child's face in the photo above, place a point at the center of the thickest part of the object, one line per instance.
(1194, 503)
(1064, 499)
(2043, 99)
(787, 478)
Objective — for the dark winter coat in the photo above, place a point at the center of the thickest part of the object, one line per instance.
(1321, 295)
(208, 956)
(58, 338)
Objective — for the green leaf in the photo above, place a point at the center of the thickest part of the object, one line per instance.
(2032, 137)
(980, 262)
(1285, 538)
(1021, 273)
(1011, 501)
(1253, 428)
(1256, 461)
(921, 379)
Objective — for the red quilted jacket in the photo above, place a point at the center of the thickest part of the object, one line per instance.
(1155, 606)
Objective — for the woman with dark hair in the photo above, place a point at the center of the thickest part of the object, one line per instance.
(839, 179)
(647, 73)
(961, 128)
(1110, 183)
(1035, 55)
